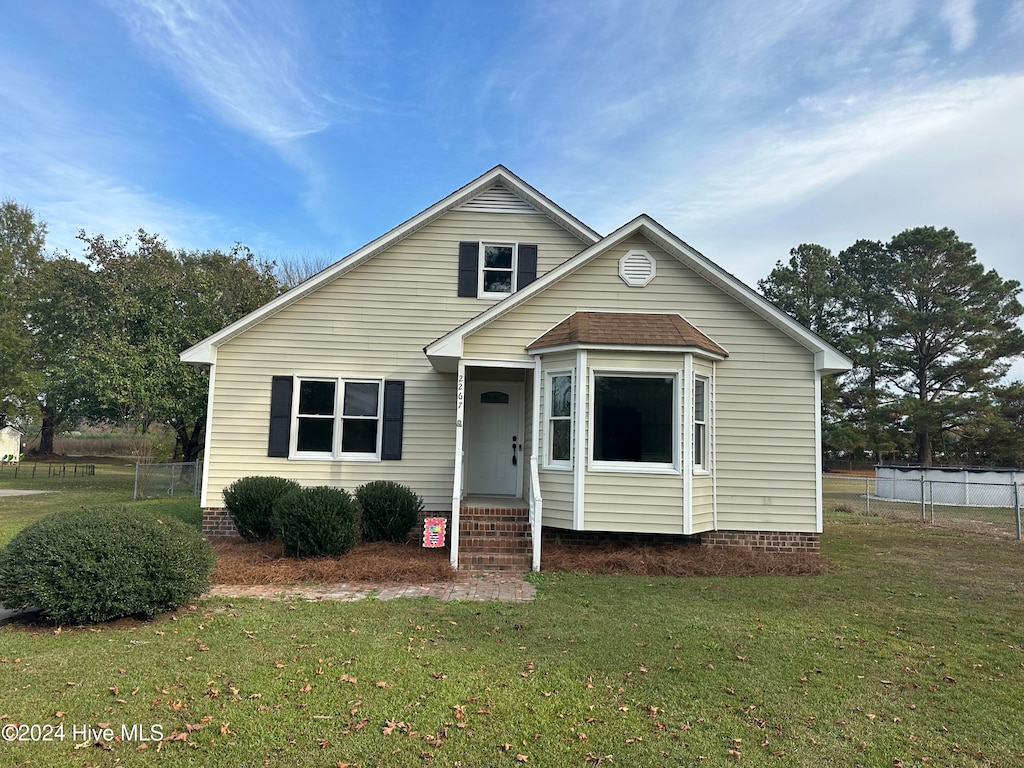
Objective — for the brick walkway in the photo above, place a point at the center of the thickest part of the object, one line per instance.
(487, 587)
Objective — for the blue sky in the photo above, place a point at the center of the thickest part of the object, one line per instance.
(309, 128)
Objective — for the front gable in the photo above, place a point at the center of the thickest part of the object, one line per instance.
(642, 268)
(497, 207)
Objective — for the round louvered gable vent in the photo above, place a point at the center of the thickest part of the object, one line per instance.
(637, 268)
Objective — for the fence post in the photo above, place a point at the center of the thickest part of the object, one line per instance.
(931, 498)
(922, 499)
(1016, 504)
(135, 493)
(867, 496)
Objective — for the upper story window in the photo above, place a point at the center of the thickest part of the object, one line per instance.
(490, 269)
(497, 269)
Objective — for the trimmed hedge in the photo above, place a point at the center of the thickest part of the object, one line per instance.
(319, 521)
(390, 510)
(250, 502)
(95, 565)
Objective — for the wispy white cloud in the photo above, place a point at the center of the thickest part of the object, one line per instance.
(959, 16)
(773, 168)
(249, 62)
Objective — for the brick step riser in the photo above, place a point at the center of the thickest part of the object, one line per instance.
(495, 540)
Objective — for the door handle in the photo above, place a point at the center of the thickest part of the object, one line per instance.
(515, 461)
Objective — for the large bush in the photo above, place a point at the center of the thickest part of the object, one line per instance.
(94, 565)
(318, 521)
(250, 502)
(390, 510)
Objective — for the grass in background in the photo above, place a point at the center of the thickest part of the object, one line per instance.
(112, 484)
(908, 653)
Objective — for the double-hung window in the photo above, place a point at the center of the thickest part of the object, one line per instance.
(700, 423)
(635, 421)
(497, 269)
(337, 418)
(559, 424)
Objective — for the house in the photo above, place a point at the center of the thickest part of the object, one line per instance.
(522, 373)
(10, 444)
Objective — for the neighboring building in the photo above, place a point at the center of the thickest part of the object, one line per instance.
(10, 444)
(518, 370)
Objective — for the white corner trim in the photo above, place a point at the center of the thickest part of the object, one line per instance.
(818, 504)
(580, 446)
(204, 494)
(687, 453)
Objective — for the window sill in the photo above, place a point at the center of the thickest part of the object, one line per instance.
(632, 468)
(567, 467)
(331, 457)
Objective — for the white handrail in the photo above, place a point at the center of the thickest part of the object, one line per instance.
(536, 509)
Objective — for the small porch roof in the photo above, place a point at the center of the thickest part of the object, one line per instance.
(642, 329)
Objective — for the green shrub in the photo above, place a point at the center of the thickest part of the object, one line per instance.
(250, 501)
(94, 565)
(390, 510)
(318, 521)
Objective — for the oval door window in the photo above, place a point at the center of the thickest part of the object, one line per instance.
(498, 398)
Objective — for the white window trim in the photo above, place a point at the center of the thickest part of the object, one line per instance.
(335, 453)
(480, 292)
(703, 468)
(638, 467)
(549, 463)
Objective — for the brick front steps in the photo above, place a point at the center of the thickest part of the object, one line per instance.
(494, 538)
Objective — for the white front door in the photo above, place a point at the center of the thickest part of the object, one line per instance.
(494, 450)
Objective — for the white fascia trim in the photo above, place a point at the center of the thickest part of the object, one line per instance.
(827, 358)
(201, 352)
(204, 494)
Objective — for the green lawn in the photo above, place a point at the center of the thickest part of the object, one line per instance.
(909, 653)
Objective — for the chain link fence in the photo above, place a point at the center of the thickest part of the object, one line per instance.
(992, 508)
(181, 479)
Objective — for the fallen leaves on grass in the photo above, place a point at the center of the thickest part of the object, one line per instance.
(678, 560)
(241, 562)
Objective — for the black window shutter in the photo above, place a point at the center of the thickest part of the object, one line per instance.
(394, 416)
(527, 265)
(280, 416)
(469, 256)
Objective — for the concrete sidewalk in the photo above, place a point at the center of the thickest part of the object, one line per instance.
(11, 492)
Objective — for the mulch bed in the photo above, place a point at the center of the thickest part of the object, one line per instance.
(240, 562)
(686, 560)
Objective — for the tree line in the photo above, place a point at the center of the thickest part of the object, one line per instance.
(97, 338)
(931, 333)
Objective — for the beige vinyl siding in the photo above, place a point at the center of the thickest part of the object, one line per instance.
(640, 503)
(764, 400)
(372, 321)
(557, 493)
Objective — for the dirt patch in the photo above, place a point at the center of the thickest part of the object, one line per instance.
(239, 562)
(679, 561)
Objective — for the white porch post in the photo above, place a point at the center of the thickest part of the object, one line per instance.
(536, 501)
(460, 417)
